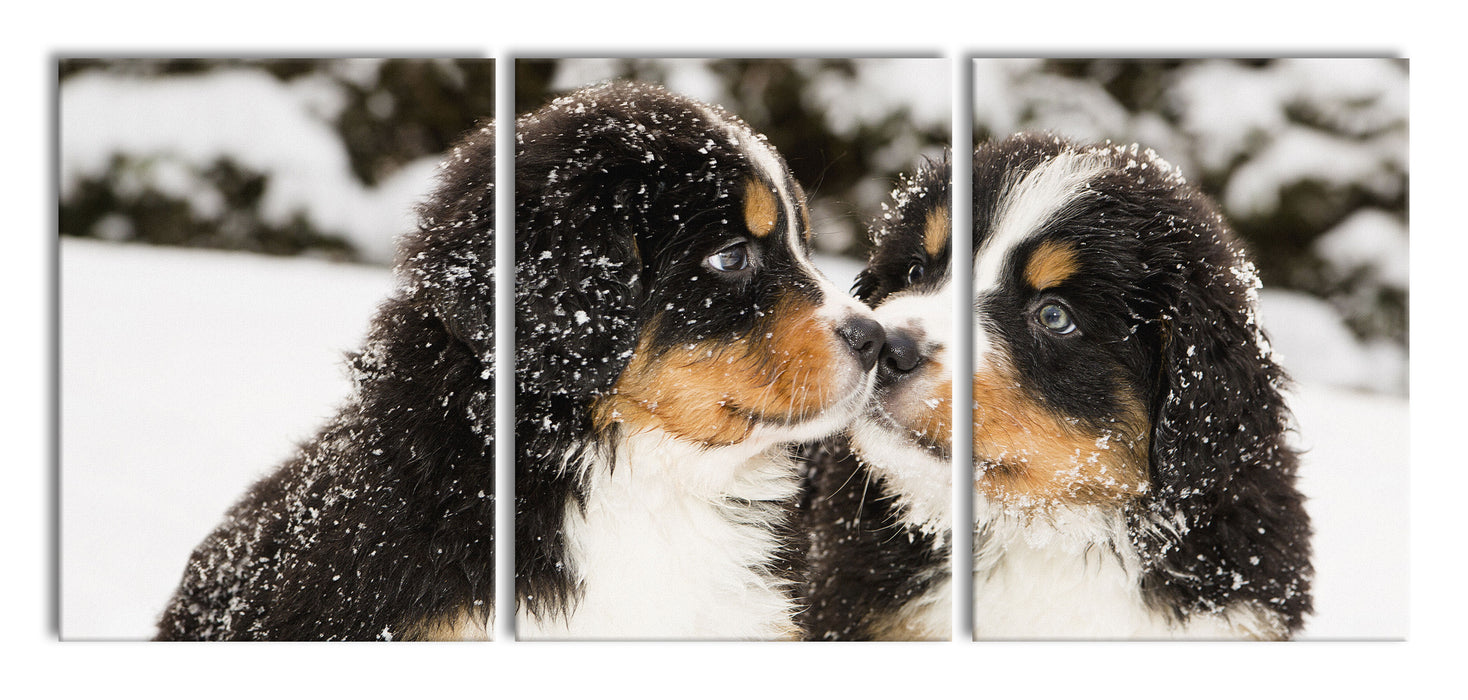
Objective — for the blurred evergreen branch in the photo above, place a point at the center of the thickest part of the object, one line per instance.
(393, 111)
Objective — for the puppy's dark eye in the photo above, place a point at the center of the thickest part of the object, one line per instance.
(731, 259)
(915, 272)
(1055, 318)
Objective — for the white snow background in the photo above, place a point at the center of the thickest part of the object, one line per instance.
(186, 375)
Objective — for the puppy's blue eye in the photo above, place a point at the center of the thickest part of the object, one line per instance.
(731, 259)
(915, 272)
(1055, 318)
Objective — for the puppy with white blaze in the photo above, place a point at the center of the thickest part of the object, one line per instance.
(673, 340)
(877, 513)
(1131, 475)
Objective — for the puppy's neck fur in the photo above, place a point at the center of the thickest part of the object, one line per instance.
(678, 542)
(1072, 572)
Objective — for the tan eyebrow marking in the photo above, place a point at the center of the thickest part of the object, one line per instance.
(935, 231)
(1051, 264)
(760, 210)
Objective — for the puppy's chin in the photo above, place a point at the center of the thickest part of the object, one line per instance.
(917, 474)
(856, 397)
(915, 412)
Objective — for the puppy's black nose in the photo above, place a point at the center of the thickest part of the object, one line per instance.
(899, 356)
(866, 337)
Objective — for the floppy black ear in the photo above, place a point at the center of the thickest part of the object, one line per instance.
(578, 283)
(1218, 408)
(450, 260)
(1228, 522)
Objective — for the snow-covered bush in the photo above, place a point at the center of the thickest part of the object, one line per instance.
(282, 156)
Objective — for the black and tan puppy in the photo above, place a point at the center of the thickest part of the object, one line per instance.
(1131, 474)
(673, 340)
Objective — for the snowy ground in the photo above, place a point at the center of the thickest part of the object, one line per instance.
(186, 375)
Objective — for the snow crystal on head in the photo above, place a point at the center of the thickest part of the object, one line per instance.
(909, 187)
(1141, 163)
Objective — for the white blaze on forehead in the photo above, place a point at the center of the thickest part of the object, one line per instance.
(928, 311)
(1026, 206)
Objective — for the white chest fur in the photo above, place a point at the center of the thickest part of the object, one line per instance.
(1074, 575)
(674, 543)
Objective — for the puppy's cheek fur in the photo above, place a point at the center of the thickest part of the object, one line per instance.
(1028, 456)
(924, 406)
(717, 393)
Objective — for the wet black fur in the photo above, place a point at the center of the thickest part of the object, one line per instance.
(384, 521)
(622, 192)
(864, 563)
(1161, 312)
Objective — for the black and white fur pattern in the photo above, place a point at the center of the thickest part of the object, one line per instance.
(1131, 474)
(381, 527)
(673, 340)
(877, 515)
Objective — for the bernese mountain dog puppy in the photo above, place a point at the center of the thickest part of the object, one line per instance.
(1131, 474)
(673, 341)
(877, 512)
(382, 526)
